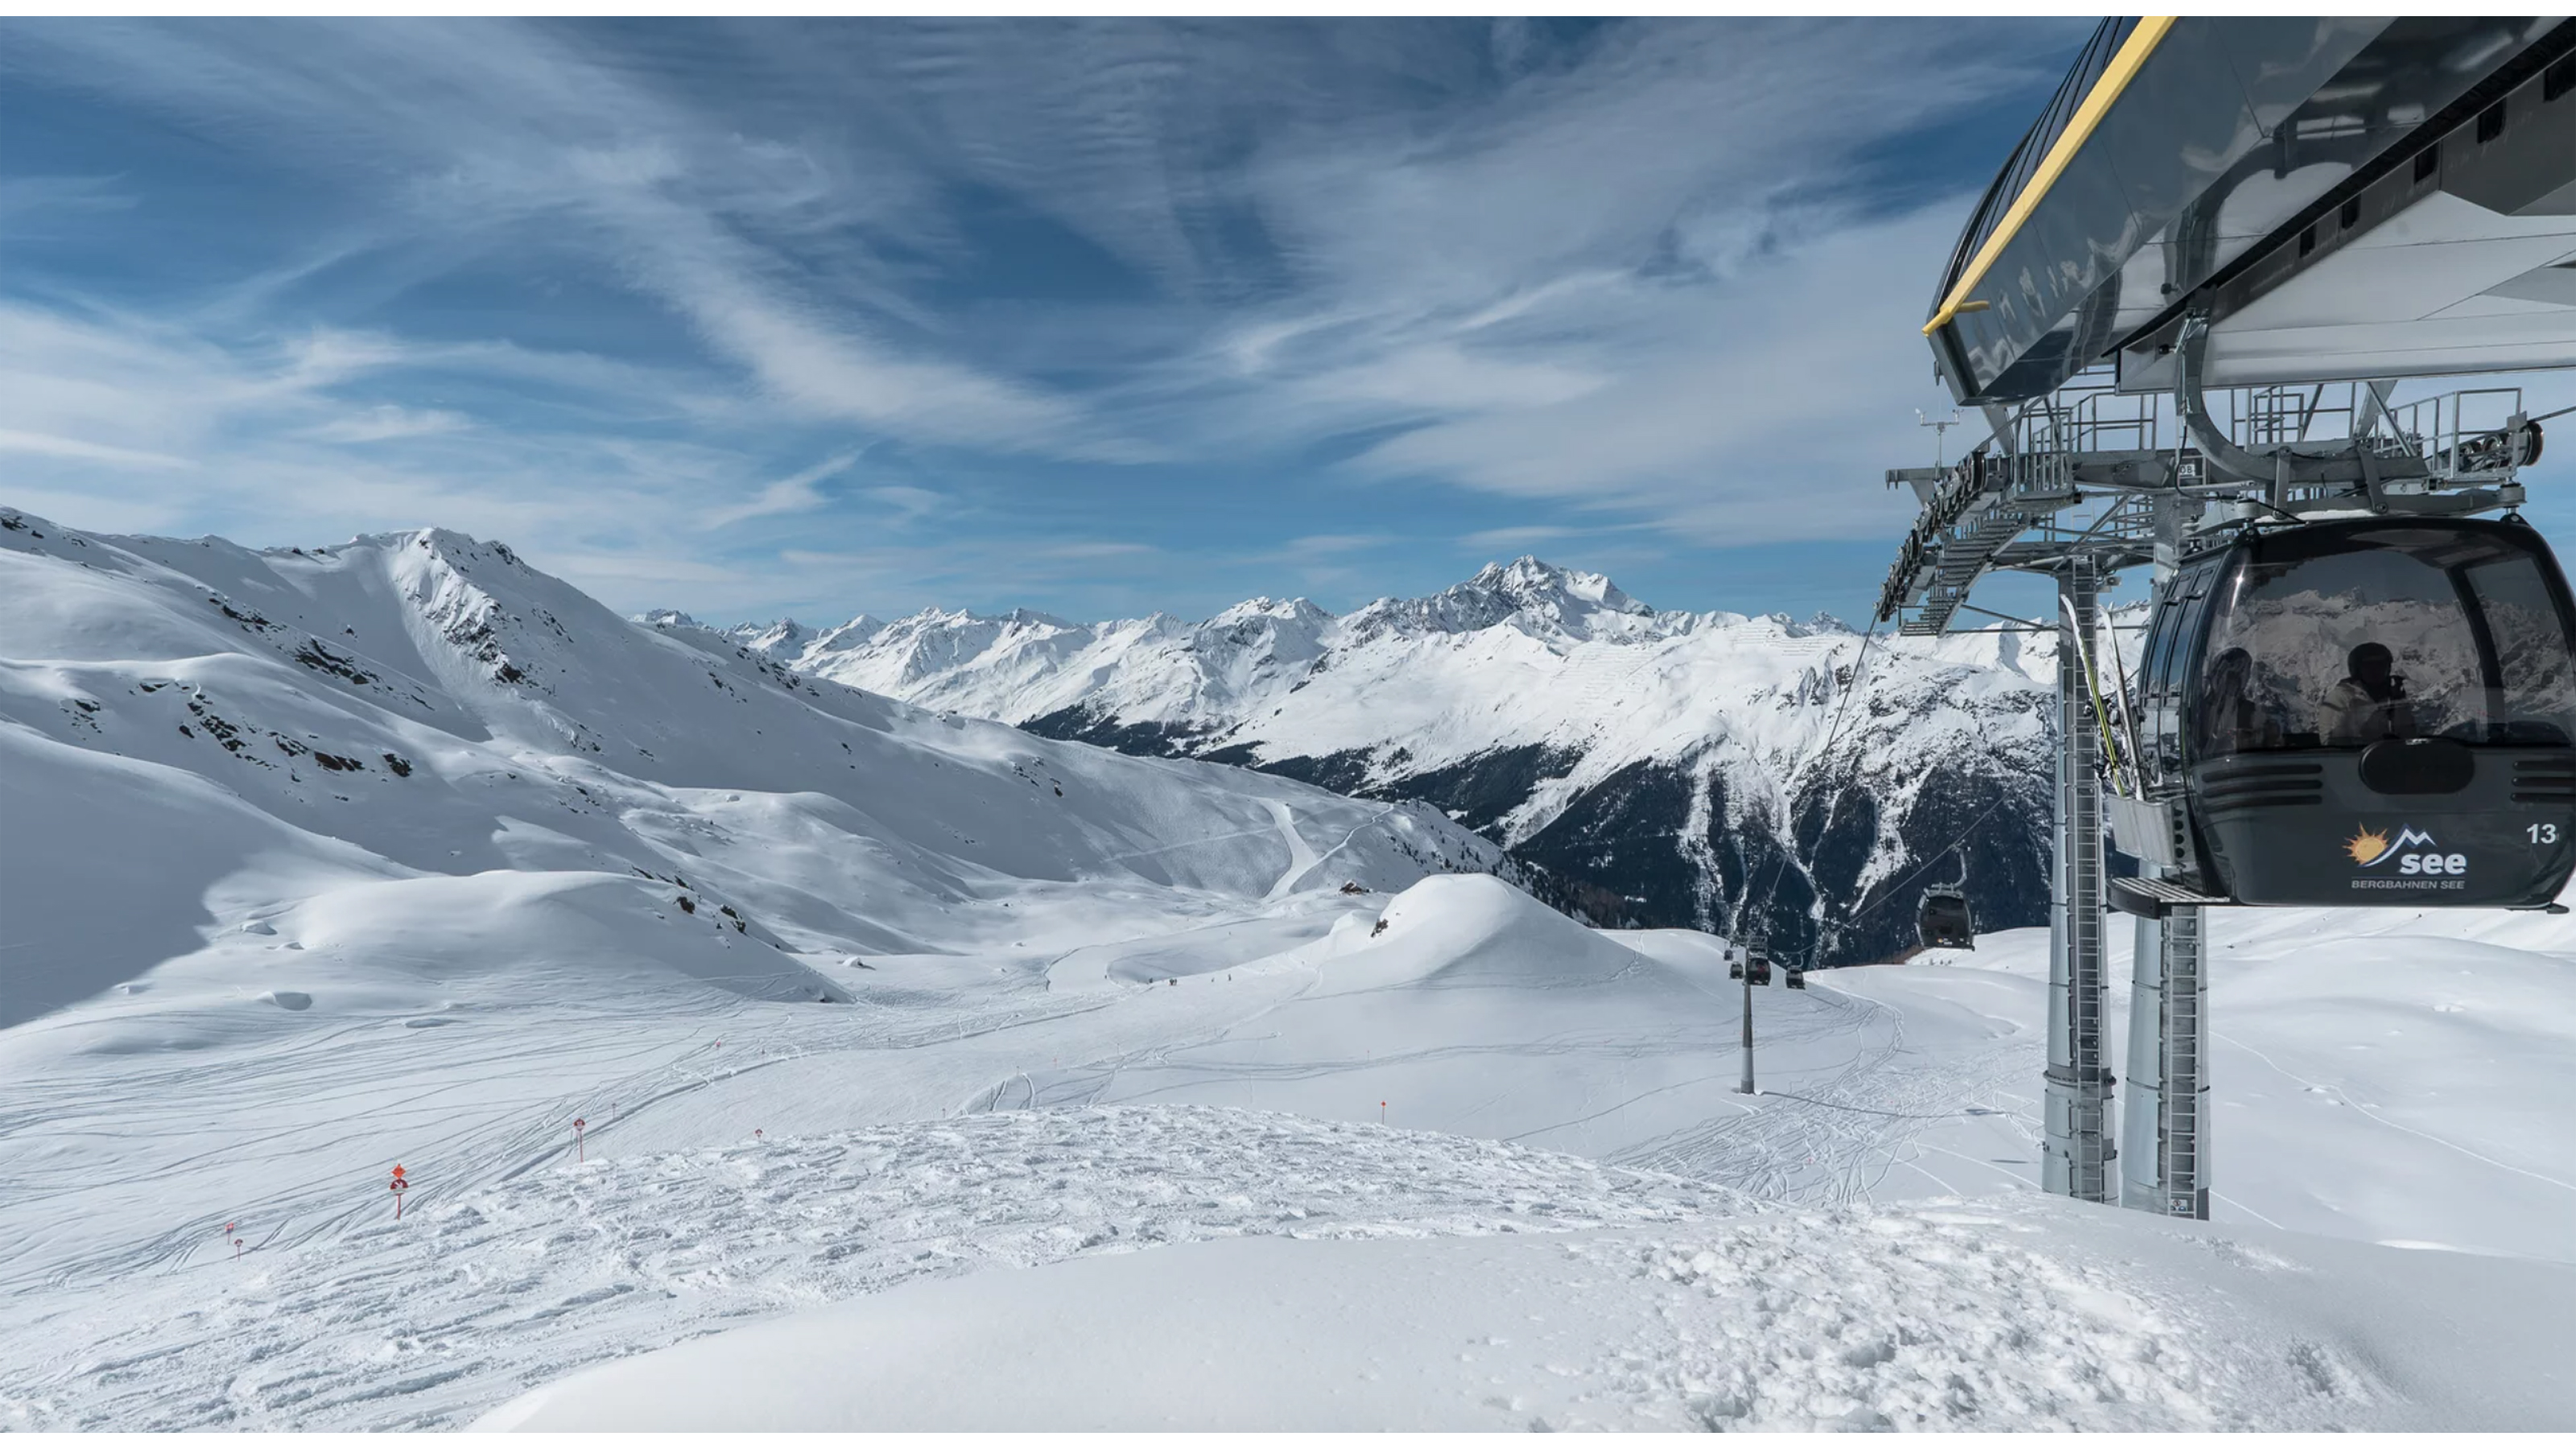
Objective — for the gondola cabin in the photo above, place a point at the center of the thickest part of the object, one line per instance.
(2369, 712)
(1943, 921)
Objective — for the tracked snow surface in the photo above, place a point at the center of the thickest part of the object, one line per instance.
(1653, 767)
(916, 1094)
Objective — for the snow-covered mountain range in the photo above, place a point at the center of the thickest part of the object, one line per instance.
(1651, 767)
(420, 725)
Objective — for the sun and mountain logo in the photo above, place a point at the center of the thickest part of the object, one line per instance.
(2370, 847)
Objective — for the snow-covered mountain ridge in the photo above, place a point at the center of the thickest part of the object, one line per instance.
(253, 733)
(1654, 767)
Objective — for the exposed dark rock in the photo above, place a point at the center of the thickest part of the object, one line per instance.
(1084, 725)
(317, 655)
(1479, 792)
(1344, 772)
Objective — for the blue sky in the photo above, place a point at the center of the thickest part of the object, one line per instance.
(813, 317)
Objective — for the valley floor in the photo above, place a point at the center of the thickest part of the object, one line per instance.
(1861, 1244)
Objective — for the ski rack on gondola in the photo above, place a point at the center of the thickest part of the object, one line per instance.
(2155, 381)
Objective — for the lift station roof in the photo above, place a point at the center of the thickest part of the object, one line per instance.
(2346, 198)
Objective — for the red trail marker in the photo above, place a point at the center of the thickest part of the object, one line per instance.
(400, 1187)
(577, 1125)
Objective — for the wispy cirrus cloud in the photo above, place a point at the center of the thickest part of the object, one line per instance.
(1113, 295)
(46, 445)
(487, 125)
(387, 421)
(794, 493)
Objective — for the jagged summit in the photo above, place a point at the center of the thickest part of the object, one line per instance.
(1298, 610)
(779, 640)
(1538, 584)
(844, 637)
(1544, 599)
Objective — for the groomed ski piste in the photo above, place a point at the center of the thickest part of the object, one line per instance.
(919, 1095)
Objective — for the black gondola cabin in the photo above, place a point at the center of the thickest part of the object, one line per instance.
(1943, 921)
(2370, 712)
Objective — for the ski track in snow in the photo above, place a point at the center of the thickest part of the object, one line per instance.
(1301, 856)
(1836, 1142)
(494, 1288)
(2345, 1099)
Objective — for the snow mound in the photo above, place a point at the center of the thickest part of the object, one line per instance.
(1478, 1011)
(1480, 932)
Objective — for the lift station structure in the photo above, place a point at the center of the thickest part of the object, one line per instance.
(2186, 309)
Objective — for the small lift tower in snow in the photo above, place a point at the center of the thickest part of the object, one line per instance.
(2208, 400)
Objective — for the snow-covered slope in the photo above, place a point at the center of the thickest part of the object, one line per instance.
(202, 746)
(1659, 769)
(754, 1160)
(2023, 1315)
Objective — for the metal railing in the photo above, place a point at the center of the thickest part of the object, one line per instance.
(2274, 416)
(2469, 436)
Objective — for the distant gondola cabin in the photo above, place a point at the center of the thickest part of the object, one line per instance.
(1943, 922)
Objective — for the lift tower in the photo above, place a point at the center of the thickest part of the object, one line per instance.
(2185, 306)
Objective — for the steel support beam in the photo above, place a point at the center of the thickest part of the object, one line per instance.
(2142, 1081)
(2165, 1093)
(2075, 1155)
(1751, 952)
(2182, 1143)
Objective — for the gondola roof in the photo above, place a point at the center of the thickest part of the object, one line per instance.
(2345, 198)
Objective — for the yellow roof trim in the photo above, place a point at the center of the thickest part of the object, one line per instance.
(2097, 103)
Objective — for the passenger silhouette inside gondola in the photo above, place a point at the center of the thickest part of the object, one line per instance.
(2370, 704)
(2231, 720)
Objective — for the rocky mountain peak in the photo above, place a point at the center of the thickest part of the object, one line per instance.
(781, 639)
(1537, 584)
(1543, 598)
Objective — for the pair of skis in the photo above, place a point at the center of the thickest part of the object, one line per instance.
(2115, 761)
